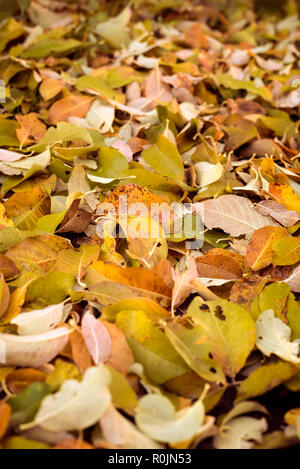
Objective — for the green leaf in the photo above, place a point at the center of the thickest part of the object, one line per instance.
(97, 84)
(112, 162)
(192, 346)
(150, 347)
(274, 297)
(152, 309)
(265, 378)
(18, 442)
(226, 80)
(9, 31)
(114, 29)
(63, 132)
(25, 404)
(164, 158)
(122, 394)
(51, 289)
(49, 223)
(228, 328)
(8, 136)
(51, 46)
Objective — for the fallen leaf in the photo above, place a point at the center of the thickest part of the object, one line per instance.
(157, 418)
(234, 215)
(5, 412)
(33, 350)
(260, 249)
(31, 130)
(228, 328)
(72, 105)
(97, 338)
(40, 320)
(278, 212)
(182, 278)
(273, 336)
(68, 409)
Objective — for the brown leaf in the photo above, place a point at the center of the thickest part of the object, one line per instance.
(262, 147)
(80, 353)
(195, 37)
(7, 267)
(218, 266)
(246, 289)
(76, 220)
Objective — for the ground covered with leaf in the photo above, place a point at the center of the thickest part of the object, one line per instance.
(187, 335)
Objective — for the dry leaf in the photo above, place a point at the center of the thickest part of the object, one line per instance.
(97, 338)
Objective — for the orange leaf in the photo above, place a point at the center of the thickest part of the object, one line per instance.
(134, 193)
(285, 195)
(72, 105)
(5, 412)
(259, 251)
(135, 277)
(80, 353)
(218, 266)
(121, 357)
(19, 379)
(31, 130)
(74, 444)
(50, 88)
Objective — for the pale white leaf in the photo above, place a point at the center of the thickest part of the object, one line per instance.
(157, 417)
(77, 405)
(7, 155)
(277, 211)
(102, 180)
(273, 336)
(120, 432)
(208, 173)
(21, 166)
(123, 148)
(39, 320)
(78, 183)
(294, 280)
(240, 433)
(244, 407)
(97, 338)
(33, 350)
(101, 116)
(233, 214)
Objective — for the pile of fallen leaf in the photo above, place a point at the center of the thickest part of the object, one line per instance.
(136, 342)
